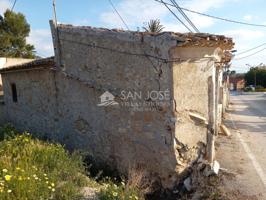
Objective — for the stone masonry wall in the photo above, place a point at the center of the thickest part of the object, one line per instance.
(124, 138)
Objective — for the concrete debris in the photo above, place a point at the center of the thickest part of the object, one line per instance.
(176, 191)
(212, 169)
(227, 171)
(198, 117)
(187, 184)
(201, 166)
(201, 159)
(197, 196)
(224, 130)
(216, 167)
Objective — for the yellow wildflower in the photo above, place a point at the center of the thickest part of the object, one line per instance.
(17, 168)
(4, 170)
(7, 177)
(115, 194)
(52, 184)
(9, 191)
(53, 190)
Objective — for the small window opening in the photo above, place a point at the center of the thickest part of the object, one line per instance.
(14, 92)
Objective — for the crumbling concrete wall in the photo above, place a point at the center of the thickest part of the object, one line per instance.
(190, 82)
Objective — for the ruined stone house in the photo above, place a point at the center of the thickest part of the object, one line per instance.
(159, 136)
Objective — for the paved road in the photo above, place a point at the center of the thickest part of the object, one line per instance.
(245, 152)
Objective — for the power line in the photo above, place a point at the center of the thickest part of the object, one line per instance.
(185, 16)
(243, 52)
(165, 4)
(250, 54)
(14, 4)
(121, 18)
(219, 18)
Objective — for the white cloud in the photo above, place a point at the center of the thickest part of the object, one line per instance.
(4, 4)
(240, 65)
(205, 5)
(81, 22)
(135, 12)
(248, 17)
(42, 40)
(246, 39)
(244, 34)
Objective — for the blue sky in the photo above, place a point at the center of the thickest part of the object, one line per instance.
(99, 13)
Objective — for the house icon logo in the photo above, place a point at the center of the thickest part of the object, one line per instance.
(107, 99)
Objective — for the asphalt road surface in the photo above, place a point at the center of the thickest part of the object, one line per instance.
(244, 153)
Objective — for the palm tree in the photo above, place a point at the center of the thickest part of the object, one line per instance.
(154, 26)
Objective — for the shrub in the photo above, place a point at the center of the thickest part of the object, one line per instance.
(32, 169)
(7, 131)
(261, 90)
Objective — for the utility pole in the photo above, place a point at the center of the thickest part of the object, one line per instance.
(55, 17)
(56, 39)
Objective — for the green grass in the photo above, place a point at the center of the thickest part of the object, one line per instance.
(32, 169)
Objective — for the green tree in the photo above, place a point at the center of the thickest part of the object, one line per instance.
(14, 30)
(154, 26)
(256, 76)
